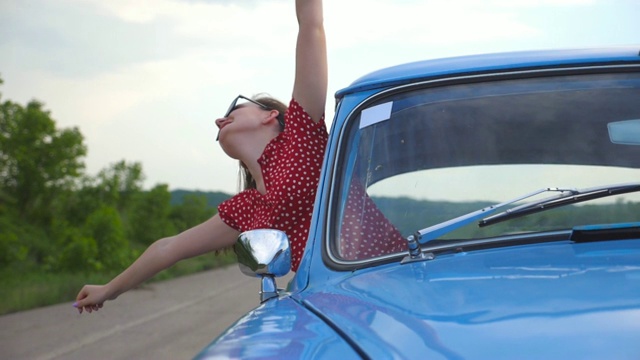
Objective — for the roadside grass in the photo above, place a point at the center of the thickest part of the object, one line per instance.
(22, 290)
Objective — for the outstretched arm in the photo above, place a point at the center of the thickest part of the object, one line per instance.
(209, 236)
(311, 76)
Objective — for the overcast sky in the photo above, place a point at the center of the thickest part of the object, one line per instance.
(144, 80)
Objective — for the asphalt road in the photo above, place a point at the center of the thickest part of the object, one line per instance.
(172, 319)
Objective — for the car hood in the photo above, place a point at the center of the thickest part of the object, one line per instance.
(278, 329)
(553, 300)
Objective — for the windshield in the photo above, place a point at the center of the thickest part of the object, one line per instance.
(419, 158)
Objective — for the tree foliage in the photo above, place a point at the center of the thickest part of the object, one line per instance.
(149, 218)
(192, 211)
(37, 160)
(55, 217)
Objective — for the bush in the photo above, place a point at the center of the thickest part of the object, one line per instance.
(21, 242)
(105, 228)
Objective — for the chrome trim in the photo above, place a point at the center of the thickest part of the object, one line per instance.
(264, 253)
(429, 252)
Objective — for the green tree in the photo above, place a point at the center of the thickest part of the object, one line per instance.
(115, 186)
(105, 227)
(92, 229)
(118, 184)
(149, 218)
(192, 211)
(37, 160)
(74, 206)
(77, 251)
(100, 244)
(12, 230)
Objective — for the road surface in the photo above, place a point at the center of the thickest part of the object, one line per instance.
(172, 319)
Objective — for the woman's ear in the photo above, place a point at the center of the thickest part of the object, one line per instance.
(273, 116)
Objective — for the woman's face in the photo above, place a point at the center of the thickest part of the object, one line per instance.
(239, 131)
(242, 119)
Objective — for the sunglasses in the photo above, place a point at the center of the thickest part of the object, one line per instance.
(234, 105)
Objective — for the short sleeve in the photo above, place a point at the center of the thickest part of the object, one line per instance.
(236, 212)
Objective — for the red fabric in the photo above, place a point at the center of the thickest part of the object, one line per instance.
(366, 233)
(290, 165)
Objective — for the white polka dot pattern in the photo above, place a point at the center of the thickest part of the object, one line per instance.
(291, 168)
(366, 233)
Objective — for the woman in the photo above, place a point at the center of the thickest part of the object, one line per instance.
(281, 153)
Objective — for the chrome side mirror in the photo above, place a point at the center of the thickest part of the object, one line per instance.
(264, 253)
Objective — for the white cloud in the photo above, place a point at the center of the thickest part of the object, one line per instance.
(537, 3)
(151, 75)
(420, 23)
(139, 11)
(232, 20)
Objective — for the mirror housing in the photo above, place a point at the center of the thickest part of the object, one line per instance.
(264, 253)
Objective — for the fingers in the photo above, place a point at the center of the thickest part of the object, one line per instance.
(88, 308)
(86, 300)
(92, 308)
(81, 299)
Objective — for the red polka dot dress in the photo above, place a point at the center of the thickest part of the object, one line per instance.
(290, 165)
(366, 233)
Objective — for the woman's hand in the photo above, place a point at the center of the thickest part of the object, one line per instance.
(91, 298)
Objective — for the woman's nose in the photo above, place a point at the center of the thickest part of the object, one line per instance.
(219, 122)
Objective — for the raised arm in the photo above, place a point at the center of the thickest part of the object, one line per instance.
(311, 76)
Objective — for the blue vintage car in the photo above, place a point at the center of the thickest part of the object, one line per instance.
(482, 207)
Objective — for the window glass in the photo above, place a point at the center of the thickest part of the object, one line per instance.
(422, 157)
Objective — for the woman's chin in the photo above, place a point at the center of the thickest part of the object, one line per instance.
(226, 146)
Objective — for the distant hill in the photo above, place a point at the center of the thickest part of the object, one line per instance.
(214, 198)
(410, 215)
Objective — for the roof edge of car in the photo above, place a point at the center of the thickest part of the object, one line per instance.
(483, 63)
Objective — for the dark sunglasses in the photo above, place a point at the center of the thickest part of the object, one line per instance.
(234, 105)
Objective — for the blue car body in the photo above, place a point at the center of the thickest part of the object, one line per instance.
(567, 290)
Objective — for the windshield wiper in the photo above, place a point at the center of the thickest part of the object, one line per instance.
(562, 199)
(566, 196)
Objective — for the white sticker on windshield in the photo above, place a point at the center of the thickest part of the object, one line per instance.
(375, 114)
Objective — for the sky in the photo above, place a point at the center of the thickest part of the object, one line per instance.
(144, 80)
